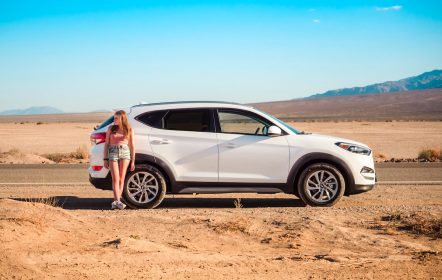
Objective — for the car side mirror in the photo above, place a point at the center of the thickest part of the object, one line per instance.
(274, 131)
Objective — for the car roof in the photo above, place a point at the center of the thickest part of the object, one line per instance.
(185, 104)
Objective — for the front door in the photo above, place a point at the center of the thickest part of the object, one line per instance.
(246, 153)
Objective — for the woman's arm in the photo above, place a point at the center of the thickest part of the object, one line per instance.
(106, 149)
(132, 150)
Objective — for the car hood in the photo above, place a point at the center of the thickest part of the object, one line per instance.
(327, 138)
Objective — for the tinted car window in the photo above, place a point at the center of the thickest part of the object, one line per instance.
(189, 120)
(106, 122)
(153, 119)
(242, 123)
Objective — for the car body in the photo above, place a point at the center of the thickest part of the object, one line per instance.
(221, 147)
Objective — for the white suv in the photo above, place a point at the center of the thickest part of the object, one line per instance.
(219, 147)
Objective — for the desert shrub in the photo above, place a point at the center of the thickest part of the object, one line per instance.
(56, 157)
(417, 223)
(50, 201)
(429, 154)
(39, 123)
(237, 203)
(380, 156)
(80, 153)
(13, 152)
(422, 225)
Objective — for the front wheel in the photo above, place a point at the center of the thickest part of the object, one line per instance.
(321, 184)
(145, 187)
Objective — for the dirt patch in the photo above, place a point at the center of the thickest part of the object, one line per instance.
(420, 223)
(39, 240)
(15, 156)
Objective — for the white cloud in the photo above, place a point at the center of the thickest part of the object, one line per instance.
(316, 21)
(391, 8)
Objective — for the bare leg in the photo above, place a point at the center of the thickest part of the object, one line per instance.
(113, 164)
(124, 163)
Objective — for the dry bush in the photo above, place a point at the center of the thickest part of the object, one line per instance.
(237, 203)
(416, 223)
(50, 201)
(37, 216)
(380, 156)
(429, 154)
(81, 152)
(421, 224)
(13, 152)
(240, 225)
(56, 157)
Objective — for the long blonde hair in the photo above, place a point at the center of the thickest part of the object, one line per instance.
(124, 123)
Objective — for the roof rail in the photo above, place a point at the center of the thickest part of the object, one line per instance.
(183, 102)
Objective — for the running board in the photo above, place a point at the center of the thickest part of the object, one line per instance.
(208, 190)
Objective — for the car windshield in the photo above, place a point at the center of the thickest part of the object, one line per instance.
(291, 128)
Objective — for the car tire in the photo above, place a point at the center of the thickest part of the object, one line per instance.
(145, 187)
(321, 184)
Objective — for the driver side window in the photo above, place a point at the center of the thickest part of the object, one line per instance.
(239, 123)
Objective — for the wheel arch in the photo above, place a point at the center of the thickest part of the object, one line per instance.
(160, 165)
(313, 158)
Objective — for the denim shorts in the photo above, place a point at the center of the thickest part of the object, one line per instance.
(117, 152)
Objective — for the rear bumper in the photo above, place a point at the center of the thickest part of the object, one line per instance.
(101, 183)
(360, 189)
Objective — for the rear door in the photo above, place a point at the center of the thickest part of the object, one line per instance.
(187, 142)
(246, 153)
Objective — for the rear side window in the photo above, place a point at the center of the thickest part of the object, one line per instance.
(189, 120)
(106, 122)
(153, 119)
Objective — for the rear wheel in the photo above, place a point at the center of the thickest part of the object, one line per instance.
(321, 184)
(145, 187)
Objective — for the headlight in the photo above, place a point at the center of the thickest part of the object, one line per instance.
(354, 148)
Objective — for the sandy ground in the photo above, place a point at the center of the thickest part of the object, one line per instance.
(44, 138)
(392, 139)
(202, 237)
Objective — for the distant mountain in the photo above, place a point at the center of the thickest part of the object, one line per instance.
(101, 111)
(427, 80)
(33, 111)
(406, 105)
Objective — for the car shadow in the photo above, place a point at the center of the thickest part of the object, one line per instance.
(86, 203)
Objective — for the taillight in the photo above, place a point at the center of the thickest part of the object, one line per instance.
(97, 167)
(99, 137)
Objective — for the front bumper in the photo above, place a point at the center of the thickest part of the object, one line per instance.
(355, 189)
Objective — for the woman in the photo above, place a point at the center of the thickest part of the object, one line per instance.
(119, 152)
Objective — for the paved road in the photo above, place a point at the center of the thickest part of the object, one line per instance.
(77, 173)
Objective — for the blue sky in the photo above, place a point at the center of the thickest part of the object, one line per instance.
(86, 55)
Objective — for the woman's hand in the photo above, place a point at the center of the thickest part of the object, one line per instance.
(106, 163)
(132, 166)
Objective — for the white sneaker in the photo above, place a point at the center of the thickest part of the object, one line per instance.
(114, 205)
(120, 205)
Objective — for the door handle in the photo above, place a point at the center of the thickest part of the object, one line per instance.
(161, 142)
(230, 145)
